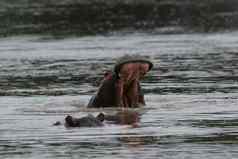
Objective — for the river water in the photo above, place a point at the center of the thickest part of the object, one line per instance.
(191, 96)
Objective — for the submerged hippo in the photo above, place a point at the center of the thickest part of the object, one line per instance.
(122, 118)
(125, 117)
(121, 87)
(88, 121)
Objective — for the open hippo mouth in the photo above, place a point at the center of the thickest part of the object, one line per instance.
(121, 87)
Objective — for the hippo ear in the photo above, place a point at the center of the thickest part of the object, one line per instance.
(100, 117)
(69, 121)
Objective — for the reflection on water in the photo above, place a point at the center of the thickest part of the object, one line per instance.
(191, 97)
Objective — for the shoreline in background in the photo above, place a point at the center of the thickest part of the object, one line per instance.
(80, 18)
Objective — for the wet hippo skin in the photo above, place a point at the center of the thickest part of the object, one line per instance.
(107, 94)
(125, 117)
(88, 121)
(121, 87)
(122, 117)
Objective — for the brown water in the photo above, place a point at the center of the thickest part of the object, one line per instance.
(191, 97)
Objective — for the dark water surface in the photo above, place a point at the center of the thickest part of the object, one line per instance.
(191, 97)
(90, 17)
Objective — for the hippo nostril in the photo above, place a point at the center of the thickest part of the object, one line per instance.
(57, 123)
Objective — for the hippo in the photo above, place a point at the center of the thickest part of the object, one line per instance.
(121, 87)
(125, 117)
(87, 121)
